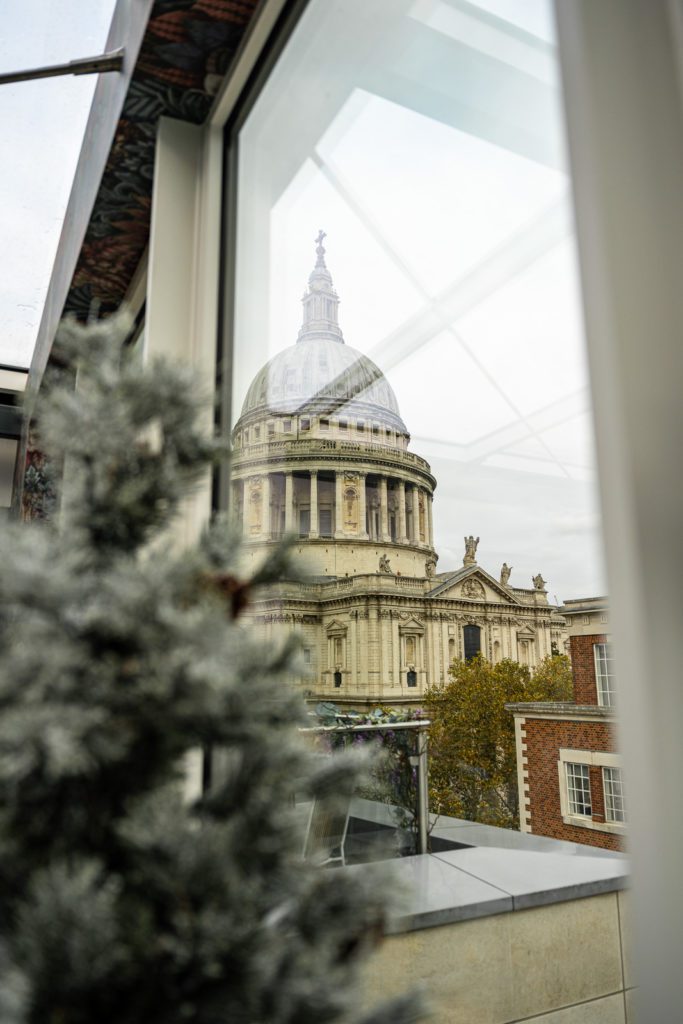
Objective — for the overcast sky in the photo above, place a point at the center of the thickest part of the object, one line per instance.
(42, 129)
(447, 207)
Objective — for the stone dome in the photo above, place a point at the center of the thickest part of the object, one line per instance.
(320, 375)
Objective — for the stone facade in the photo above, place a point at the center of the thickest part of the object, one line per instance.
(321, 453)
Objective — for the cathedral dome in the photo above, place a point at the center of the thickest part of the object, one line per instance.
(320, 374)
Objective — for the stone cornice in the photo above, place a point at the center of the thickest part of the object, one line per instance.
(277, 456)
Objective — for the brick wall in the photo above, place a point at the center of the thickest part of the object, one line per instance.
(583, 667)
(543, 739)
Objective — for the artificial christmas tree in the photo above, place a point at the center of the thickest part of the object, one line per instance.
(121, 901)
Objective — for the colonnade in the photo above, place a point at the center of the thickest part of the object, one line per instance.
(335, 503)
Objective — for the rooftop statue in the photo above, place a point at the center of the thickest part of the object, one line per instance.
(470, 551)
(505, 573)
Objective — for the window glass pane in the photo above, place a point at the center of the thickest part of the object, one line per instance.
(579, 789)
(604, 674)
(407, 297)
(615, 809)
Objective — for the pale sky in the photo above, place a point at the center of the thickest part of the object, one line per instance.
(452, 252)
(42, 129)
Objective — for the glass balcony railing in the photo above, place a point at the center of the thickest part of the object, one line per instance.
(388, 813)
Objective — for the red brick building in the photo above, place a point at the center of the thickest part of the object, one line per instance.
(569, 771)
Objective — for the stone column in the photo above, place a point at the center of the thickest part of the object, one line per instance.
(289, 502)
(383, 510)
(402, 535)
(314, 503)
(265, 506)
(395, 652)
(416, 514)
(352, 653)
(428, 517)
(245, 507)
(338, 504)
(362, 510)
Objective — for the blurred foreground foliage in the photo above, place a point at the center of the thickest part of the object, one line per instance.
(122, 899)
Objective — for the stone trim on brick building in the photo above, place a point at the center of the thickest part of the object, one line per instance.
(548, 737)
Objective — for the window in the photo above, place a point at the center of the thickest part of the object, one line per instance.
(257, 433)
(604, 674)
(337, 679)
(304, 522)
(579, 789)
(324, 424)
(472, 639)
(271, 429)
(576, 804)
(360, 427)
(287, 426)
(410, 649)
(614, 795)
(305, 424)
(412, 677)
(343, 425)
(375, 430)
(307, 655)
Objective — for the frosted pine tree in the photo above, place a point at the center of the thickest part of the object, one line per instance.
(120, 900)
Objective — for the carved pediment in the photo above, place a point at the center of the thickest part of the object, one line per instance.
(336, 627)
(411, 625)
(473, 584)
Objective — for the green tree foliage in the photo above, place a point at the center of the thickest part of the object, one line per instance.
(120, 900)
(473, 768)
(551, 680)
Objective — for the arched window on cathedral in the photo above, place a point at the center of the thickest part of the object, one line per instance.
(472, 639)
(337, 679)
(412, 677)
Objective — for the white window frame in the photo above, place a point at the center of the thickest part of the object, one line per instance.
(603, 659)
(607, 795)
(583, 777)
(601, 759)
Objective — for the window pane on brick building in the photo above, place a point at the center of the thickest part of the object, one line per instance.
(614, 794)
(579, 789)
(604, 674)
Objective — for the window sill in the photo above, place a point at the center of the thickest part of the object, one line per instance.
(614, 827)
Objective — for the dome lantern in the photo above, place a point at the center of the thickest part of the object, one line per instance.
(320, 302)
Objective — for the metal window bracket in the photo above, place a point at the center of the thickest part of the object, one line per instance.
(102, 64)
